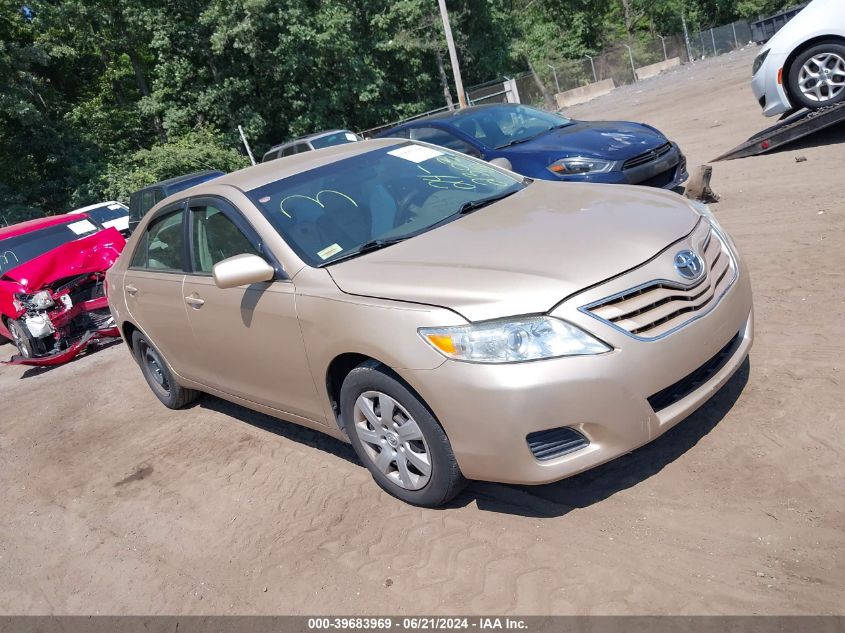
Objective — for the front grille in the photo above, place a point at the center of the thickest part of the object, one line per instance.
(661, 307)
(555, 442)
(647, 157)
(686, 385)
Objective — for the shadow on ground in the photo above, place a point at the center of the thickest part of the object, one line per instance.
(550, 500)
(833, 135)
(828, 136)
(290, 431)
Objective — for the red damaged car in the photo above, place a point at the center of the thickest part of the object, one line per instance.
(52, 275)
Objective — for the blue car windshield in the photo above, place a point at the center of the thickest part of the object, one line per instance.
(500, 126)
(386, 195)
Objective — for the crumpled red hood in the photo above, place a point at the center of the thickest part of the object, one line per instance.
(94, 253)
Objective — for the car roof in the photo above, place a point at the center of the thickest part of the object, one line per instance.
(96, 206)
(307, 137)
(264, 173)
(178, 180)
(451, 115)
(33, 225)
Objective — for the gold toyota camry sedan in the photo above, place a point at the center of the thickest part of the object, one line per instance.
(451, 319)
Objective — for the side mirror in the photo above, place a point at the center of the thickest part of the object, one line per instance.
(501, 162)
(241, 270)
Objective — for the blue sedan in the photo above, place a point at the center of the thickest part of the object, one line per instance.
(549, 146)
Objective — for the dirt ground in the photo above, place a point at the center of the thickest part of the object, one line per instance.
(112, 504)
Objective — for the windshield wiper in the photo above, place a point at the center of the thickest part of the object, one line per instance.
(367, 247)
(377, 244)
(473, 205)
(531, 138)
(516, 142)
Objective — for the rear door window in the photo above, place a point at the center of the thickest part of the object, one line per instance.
(148, 200)
(162, 247)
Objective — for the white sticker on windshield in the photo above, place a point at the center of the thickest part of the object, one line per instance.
(327, 252)
(115, 207)
(415, 153)
(82, 227)
(351, 137)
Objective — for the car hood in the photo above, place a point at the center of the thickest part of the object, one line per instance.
(812, 21)
(525, 254)
(90, 254)
(612, 140)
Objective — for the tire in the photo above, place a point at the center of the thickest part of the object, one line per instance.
(22, 339)
(158, 375)
(809, 92)
(365, 393)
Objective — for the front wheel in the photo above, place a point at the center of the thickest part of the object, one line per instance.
(22, 339)
(817, 76)
(397, 438)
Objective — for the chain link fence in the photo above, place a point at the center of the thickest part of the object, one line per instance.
(623, 63)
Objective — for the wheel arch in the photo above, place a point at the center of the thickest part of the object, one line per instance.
(128, 328)
(339, 368)
(790, 59)
(4, 320)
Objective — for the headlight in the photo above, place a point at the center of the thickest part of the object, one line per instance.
(758, 61)
(705, 212)
(580, 165)
(513, 340)
(41, 300)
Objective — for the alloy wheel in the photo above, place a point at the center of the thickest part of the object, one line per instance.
(392, 440)
(822, 77)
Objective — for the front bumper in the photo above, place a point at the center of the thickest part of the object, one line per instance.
(488, 410)
(68, 354)
(68, 340)
(770, 94)
(666, 172)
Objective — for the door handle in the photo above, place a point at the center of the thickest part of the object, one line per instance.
(131, 290)
(194, 301)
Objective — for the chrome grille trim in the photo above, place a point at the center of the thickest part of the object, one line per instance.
(644, 312)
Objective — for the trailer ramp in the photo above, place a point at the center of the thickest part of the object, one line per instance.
(791, 129)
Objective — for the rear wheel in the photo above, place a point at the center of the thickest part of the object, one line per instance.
(397, 438)
(817, 76)
(158, 375)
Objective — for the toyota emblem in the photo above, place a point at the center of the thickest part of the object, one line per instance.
(688, 264)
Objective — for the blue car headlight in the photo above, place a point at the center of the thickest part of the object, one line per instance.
(580, 165)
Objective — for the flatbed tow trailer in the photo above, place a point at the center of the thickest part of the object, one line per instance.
(790, 129)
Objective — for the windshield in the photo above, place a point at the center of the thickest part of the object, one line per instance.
(391, 193)
(503, 125)
(337, 138)
(20, 249)
(107, 213)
